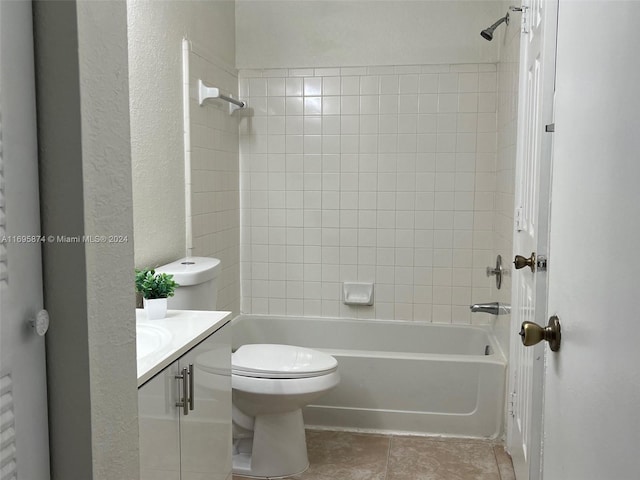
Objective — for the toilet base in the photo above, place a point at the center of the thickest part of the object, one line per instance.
(278, 449)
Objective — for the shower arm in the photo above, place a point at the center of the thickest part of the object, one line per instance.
(504, 19)
(487, 33)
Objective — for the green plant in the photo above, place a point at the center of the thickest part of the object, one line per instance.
(152, 285)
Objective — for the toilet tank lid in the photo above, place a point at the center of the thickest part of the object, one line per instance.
(192, 270)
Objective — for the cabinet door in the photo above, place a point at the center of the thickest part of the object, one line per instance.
(206, 431)
(159, 423)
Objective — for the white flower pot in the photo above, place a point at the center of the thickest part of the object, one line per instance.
(156, 308)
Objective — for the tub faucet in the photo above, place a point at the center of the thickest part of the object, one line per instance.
(494, 308)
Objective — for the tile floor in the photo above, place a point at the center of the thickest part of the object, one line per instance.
(355, 456)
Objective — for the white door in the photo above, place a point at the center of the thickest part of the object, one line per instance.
(529, 295)
(24, 441)
(592, 385)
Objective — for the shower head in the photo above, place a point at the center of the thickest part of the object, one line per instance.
(487, 33)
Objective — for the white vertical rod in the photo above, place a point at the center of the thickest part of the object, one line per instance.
(187, 148)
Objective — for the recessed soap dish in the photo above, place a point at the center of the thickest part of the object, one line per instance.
(357, 293)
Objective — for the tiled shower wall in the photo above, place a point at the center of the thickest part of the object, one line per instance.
(507, 107)
(374, 174)
(215, 175)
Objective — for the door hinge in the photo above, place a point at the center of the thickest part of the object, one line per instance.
(524, 24)
(550, 128)
(518, 219)
(511, 407)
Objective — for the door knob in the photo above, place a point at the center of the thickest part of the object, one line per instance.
(40, 323)
(532, 333)
(521, 262)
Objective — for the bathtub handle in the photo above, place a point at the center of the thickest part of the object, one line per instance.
(497, 271)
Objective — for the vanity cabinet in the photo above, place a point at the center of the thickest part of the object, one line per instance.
(192, 442)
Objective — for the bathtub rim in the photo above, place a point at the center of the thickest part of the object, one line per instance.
(496, 439)
(498, 355)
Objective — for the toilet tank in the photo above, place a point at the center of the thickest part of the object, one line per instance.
(197, 277)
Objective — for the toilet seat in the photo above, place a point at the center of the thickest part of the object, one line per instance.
(281, 362)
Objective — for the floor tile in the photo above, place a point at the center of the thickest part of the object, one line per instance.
(418, 458)
(353, 456)
(345, 456)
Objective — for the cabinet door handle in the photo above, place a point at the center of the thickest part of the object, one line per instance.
(192, 382)
(184, 403)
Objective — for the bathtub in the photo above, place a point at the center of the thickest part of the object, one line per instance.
(397, 376)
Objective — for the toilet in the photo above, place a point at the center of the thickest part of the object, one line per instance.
(197, 279)
(271, 383)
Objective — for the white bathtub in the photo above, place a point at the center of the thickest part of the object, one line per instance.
(397, 376)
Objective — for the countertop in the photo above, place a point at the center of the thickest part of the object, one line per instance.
(187, 328)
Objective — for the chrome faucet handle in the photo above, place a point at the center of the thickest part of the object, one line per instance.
(497, 271)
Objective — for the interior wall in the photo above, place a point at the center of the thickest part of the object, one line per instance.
(156, 31)
(387, 173)
(85, 183)
(375, 174)
(326, 33)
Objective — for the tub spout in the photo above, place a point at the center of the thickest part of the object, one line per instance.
(494, 308)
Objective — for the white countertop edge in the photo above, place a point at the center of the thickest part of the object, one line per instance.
(188, 327)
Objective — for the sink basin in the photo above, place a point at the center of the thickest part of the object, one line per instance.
(150, 339)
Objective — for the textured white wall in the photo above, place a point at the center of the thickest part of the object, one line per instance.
(156, 30)
(81, 58)
(108, 211)
(326, 33)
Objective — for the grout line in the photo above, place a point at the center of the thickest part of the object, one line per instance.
(493, 450)
(386, 468)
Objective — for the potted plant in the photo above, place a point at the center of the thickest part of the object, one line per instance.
(155, 288)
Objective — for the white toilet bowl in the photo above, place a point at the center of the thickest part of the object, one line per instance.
(271, 384)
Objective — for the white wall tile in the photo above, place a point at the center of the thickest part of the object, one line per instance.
(350, 105)
(370, 85)
(389, 85)
(276, 87)
(312, 86)
(313, 105)
(377, 174)
(331, 85)
(350, 86)
(294, 87)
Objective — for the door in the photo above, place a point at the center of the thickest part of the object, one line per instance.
(24, 440)
(529, 286)
(592, 385)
